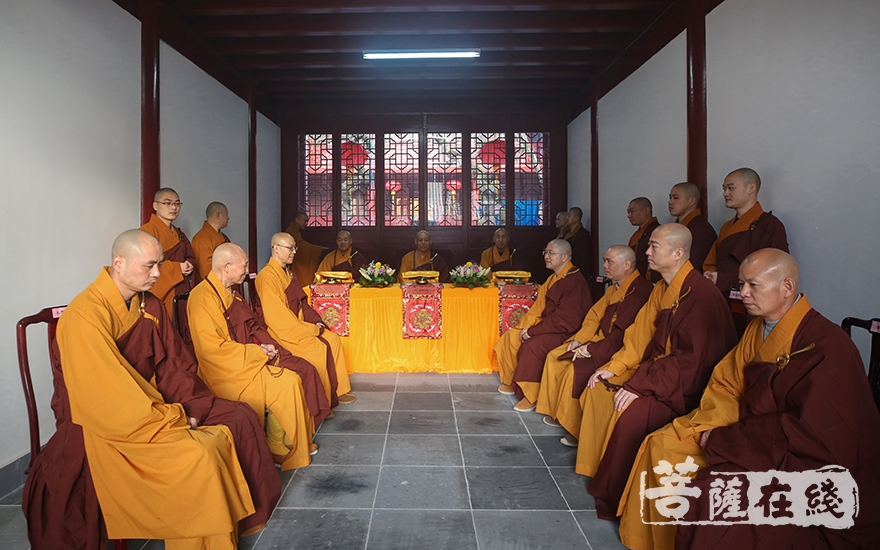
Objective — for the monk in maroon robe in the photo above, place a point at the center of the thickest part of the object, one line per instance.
(344, 258)
(579, 239)
(640, 213)
(684, 202)
(424, 259)
(501, 257)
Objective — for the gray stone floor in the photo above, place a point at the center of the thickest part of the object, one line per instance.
(422, 461)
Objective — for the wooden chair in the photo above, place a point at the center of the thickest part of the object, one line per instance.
(250, 286)
(873, 327)
(49, 316)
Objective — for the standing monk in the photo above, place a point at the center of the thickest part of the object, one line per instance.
(421, 259)
(141, 444)
(309, 254)
(579, 239)
(344, 258)
(600, 336)
(758, 414)
(640, 213)
(684, 200)
(240, 362)
(659, 373)
(750, 229)
(296, 325)
(561, 224)
(563, 301)
(500, 257)
(176, 273)
(209, 237)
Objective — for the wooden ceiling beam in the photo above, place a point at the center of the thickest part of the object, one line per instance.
(502, 86)
(581, 73)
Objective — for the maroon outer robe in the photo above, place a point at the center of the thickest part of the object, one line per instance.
(59, 497)
(700, 334)
(438, 264)
(618, 317)
(247, 327)
(640, 247)
(704, 236)
(353, 265)
(183, 252)
(567, 303)
(514, 262)
(581, 249)
(815, 412)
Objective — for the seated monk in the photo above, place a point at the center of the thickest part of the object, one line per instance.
(209, 237)
(640, 213)
(659, 373)
(600, 336)
(421, 259)
(759, 413)
(142, 449)
(563, 301)
(344, 258)
(178, 269)
(285, 309)
(309, 256)
(500, 257)
(241, 362)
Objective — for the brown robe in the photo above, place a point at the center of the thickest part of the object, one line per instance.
(703, 234)
(352, 264)
(510, 260)
(675, 368)
(581, 248)
(567, 303)
(639, 243)
(177, 250)
(59, 500)
(815, 412)
(430, 262)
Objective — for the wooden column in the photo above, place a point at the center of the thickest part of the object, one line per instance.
(696, 103)
(148, 13)
(594, 178)
(252, 178)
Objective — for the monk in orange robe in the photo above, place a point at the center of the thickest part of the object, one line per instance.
(178, 269)
(422, 259)
(684, 200)
(237, 367)
(569, 366)
(344, 258)
(579, 239)
(500, 257)
(160, 469)
(750, 229)
(659, 373)
(285, 309)
(562, 303)
(762, 413)
(309, 255)
(640, 213)
(209, 237)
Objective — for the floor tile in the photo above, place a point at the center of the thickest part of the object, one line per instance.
(422, 530)
(360, 422)
(513, 489)
(370, 401)
(422, 422)
(554, 452)
(422, 487)
(422, 381)
(473, 401)
(332, 487)
(13, 528)
(490, 423)
(380, 381)
(535, 425)
(574, 488)
(505, 450)
(427, 450)
(601, 534)
(422, 401)
(527, 529)
(349, 449)
(306, 529)
(474, 383)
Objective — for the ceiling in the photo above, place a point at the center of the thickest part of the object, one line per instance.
(311, 50)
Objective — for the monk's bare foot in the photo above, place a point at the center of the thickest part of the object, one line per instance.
(569, 440)
(331, 414)
(347, 399)
(550, 421)
(505, 389)
(524, 405)
(313, 449)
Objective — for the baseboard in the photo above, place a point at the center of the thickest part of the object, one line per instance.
(12, 475)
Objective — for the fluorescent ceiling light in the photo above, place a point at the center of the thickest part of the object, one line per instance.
(448, 54)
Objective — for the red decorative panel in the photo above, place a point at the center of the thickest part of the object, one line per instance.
(316, 185)
(529, 170)
(422, 311)
(444, 178)
(514, 301)
(488, 185)
(402, 179)
(333, 305)
(358, 160)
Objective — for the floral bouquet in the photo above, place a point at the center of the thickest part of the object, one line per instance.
(470, 275)
(377, 275)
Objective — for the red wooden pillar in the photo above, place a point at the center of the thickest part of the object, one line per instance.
(696, 105)
(594, 178)
(252, 177)
(148, 13)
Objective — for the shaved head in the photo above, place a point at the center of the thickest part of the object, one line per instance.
(562, 246)
(689, 190)
(676, 236)
(768, 283)
(230, 264)
(134, 267)
(215, 208)
(642, 202)
(623, 252)
(162, 193)
(618, 262)
(226, 253)
(132, 243)
(282, 238)
(775, 264)
(747, 176)
(343, 233)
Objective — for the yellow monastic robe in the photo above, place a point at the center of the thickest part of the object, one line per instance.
(170, 274)
(491, 256)
(507, 346)
(307, 258)
(554, 395)
(154, 476)
(240, 372)
(680, 439)
(294, 333)
(333, 259)
(204, 242)
(599, 419)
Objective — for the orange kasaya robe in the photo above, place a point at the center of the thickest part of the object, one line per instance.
(703, 234)
(508, 260)
(155, 478)
(242, 372)
(177, 250)
(814, 412)
(292, 321)
(564, 380)
(203, 243)
(416, 261)
(639, 243)
(307, 258)
(351, 260)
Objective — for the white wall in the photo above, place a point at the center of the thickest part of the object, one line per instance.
(793, 93)
(268, 186)
(642, 141)
(69, 170)
(579, 140)
(203, 136)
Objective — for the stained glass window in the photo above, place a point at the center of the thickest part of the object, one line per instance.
(358, 159)
(529, 167)
(316, 188)
(402, 179)
(488, 184)
(444, 179)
